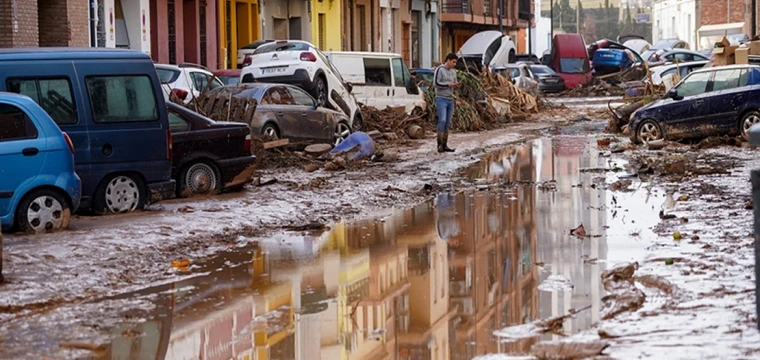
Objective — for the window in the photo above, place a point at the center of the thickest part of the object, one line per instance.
(53, 95)
(491, 51)
(321, 30)
(695, 84)
(400, 73)
(377, 72)
(117, 99)
(301, 98)
(177, 123)
(201, 81)
(726, 79)
(167, 76)
(15, 124)
(573, 65)
(278, 96)
(668, 72)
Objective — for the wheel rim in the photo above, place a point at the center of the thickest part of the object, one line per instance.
(200, 179)
(649, 132)
(322, 96)
(122, 195)
(45, 213)
(358, 123)
(341, 133)
(749, 121)
(271, 132)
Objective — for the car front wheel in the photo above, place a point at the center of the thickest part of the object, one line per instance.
(342, 131)
(320, 92)
(751, 118)
(200, 178)
(649, 130)
(43, 211)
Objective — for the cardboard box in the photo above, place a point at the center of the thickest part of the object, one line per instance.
(724, 53)
(741, 55)
(754, 46)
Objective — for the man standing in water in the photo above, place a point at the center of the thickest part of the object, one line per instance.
(445, 81)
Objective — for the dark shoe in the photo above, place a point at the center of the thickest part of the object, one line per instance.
(446, 147)
(440, 143)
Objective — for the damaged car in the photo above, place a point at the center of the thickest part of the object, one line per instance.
(713, 101)
(208, 156)
(287, 111)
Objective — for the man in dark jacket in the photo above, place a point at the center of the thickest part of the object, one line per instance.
(445, 81)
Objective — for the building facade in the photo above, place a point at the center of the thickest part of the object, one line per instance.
(31, 23)
(187, 35)
(675, 19)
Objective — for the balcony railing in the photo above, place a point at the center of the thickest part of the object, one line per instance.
(455, 6)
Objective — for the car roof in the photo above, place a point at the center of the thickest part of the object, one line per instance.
(227, 72)
(683, 51)
(364, 53)
(728, 67)
(168, 66)
(10, 95)
(61, 53)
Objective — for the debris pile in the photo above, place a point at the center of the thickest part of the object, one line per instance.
(394, 123)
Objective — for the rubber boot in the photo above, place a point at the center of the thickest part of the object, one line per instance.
(446, 147)
(440, 142)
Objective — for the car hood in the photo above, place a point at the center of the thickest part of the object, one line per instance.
(227, 125)
(478, 43)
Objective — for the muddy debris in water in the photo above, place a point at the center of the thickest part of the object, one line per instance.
(97, 350)
(621, 185)
(679, 163)
(579, 231)
(716, 141)
(553, 325)
(568, 350)
(623, 295)
(311, 168)
(338, 163)
(657, 282)
(550, 185)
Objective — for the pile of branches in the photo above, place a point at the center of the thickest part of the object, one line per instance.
(472, 111)
(502, 89)
(389, 120)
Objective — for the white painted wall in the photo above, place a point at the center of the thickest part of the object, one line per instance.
(675, 19)
(137, 18)
(541, 33)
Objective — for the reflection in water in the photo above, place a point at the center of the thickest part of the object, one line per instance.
(431, 282)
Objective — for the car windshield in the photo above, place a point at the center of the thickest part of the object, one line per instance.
(665, 44)
(279, 46)
(573, 65)
(543, 70)
(229, 80)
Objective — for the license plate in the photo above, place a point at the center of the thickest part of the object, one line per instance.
(608, 55)
(550, 81)
(276, 70)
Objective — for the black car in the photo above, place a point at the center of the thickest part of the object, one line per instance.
(208, 156)
(548, 80)
(711, 101)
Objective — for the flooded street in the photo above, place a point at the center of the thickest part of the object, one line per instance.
(431, 282)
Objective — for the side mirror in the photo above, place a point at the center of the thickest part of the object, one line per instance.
(349, 87)
(673, 94)
(411, 87)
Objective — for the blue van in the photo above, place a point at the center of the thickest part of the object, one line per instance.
(109, 101)
(38, 187)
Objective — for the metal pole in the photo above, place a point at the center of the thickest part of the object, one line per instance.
(94, 23)
(755, 179)
(501, 12)
(754, 18)
(551, 15)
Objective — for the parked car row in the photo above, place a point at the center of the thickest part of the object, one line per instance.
(89, 130)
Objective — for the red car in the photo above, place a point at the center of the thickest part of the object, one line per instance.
(229, 76)
(569, 58)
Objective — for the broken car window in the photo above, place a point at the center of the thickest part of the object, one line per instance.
(377, 72)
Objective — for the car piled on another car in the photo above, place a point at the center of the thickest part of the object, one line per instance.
(520, 75)
(548, 80)
(185, 81)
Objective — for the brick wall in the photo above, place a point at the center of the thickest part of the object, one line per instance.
(26, 33)
(79, 22)
(712, 12)
(52, 21)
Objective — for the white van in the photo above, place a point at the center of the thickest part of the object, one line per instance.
(489, 48)
(379, 79)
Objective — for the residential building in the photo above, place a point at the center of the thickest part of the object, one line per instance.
(461, 19)
(285, 19)
(326, 30)
(240, 25)
(32, 23)
(541, 36)
(675, 19)
(183, 31)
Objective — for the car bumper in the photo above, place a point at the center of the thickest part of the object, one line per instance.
(551, 87)
(237, 171)
(300, 78)
(162, 190)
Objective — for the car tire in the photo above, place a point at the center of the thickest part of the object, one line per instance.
(119, 193)
(746, 122)
(358, 121)
(43, 210)
(342, 131)
(320, 91)
(648, 130)
(200, 177)
(271, 130)
(512, 57)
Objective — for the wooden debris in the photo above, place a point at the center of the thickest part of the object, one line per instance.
(276, 143)
(374, 134)
(311, 168)
(390, 136)
(318, 149)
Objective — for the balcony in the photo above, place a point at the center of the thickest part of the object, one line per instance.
(481, 12)
(524, 10)
(455, 7)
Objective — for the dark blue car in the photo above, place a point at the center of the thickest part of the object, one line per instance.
(608, 61)
(713, 101)
(111, 104)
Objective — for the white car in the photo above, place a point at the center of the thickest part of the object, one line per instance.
(300, 63)
(665, 74)
(489, 48)
(245, 52)
(638, 45)
(520, 74)
(185, 81)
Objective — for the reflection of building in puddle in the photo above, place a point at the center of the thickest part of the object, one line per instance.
(493, 280)
(562, 158)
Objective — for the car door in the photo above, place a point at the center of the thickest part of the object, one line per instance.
(180, 128)
(22, 152)
(336, 84)
(682, 117)
(312, 123)
(404, 87)
(729, 98)
(203, 82)
(286, 113)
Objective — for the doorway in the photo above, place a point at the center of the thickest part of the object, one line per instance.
(416, 38)
(406, 47)
(279, 28)
(295, 28)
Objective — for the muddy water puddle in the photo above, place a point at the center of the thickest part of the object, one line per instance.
(431, 282)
